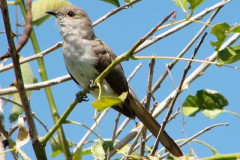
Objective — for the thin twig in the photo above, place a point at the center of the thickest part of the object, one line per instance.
(33, 57)
(112, 12)
(179, 89)
(115, 127)
(134, 72)
(147, 103)
(26, 33)
(10, 100)
(81, 142)
(197, 135)
(133, 144)
(37, 86)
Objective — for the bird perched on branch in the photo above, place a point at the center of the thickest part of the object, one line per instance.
(86, 57)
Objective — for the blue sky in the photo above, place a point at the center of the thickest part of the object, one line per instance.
(120, 32)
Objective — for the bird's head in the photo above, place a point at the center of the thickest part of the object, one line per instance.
(73, 21)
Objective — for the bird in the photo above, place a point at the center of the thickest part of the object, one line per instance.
(86, 56)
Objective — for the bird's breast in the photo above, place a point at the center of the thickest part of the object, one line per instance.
(80, 60)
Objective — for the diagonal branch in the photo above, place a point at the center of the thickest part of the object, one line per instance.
(112, 12)
(179, 89)
(26, 33)
(38, 148)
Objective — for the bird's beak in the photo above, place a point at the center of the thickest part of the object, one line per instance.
(52, 12)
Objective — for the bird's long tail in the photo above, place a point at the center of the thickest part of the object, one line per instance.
(152, 125)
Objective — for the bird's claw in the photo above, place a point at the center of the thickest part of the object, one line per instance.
(93, 85)
(81, 98)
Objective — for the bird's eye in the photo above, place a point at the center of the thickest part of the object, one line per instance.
(71, 14)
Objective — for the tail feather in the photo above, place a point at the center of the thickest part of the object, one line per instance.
(152, 125)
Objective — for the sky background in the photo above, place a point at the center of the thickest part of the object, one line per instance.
(120, 32)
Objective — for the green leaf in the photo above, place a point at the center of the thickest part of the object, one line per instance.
(212, 113)
(127, 1)
(229, 55)
(108, 146)
(190, 106)
(114, 2)
(77, 155)
(39, 8)
(236, 29)
(56, 147)
(208, 101)
(183, 4)
(98, 151)
(80, 153)
(194, 4)
(106, 102)
(125, 150)
(28, 78)
(221, 31)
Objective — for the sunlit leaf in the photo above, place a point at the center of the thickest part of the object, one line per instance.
(125, 150)
(56, 147)
(183, 4)
(106, 102)
(208, 101)
(28, 78)
(114, 2)
(221, 31)
(236, 29)
(229, 55)
(98, 151)
(194, 4)
(190, 106)
(212, 113)
(39, 8)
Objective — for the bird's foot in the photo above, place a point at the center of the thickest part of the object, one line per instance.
(93, 85)
(81, 98)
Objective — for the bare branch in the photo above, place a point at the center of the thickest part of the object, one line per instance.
(178, 93)
(198, 134)
(37, 86)
(38, 148)
(125, 6)
(33, 57)
(26, 33)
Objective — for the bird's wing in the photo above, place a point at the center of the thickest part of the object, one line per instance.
(116, 78)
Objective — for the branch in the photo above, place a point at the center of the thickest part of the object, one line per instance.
(173, 63)
(199, 16)
(33, 57)
(26, 33)
(188, 67)
(38, 148)
(195, 74)
(37, 86)
(198, 134)
(112, 12)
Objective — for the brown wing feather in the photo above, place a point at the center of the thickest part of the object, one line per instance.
(116, 78)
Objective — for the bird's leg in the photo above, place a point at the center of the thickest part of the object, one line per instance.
(81, 98)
